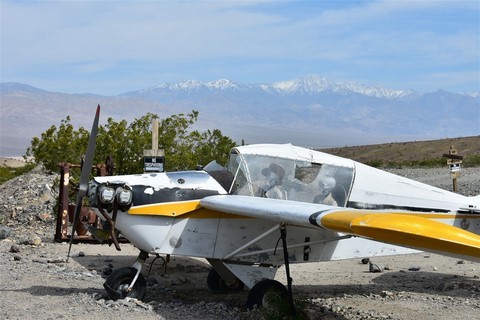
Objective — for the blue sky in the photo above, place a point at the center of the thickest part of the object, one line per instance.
(111, 47)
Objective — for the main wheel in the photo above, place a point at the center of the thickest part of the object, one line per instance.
(216, 284)
(267, 293)
(119, 280)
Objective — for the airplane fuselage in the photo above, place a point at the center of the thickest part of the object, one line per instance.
(166, 216)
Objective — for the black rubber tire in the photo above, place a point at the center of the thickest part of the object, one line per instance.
(267, 289)
(120, 279)
(236, 286)
(213, 281)
(216, 284)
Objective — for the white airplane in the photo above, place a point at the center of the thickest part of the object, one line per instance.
(322, 207)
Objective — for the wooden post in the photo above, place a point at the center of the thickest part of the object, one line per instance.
(154, 159)
(454, 162)
(455, 183)
(155, 135)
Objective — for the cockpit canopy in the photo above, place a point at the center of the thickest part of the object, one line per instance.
(288, 178)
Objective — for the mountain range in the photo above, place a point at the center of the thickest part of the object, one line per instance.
(311, 111)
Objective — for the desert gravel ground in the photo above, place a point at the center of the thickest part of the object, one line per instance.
(37, 283)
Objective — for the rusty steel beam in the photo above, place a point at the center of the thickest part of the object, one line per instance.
(62, 210)
(65, 209)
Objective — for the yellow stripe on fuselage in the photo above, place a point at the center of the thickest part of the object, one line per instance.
(180, 209)
(167, 209)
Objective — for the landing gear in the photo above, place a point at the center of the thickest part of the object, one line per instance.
(270, 292)
(118, 284)
(217, 284)
(127, 281)
(267, 293)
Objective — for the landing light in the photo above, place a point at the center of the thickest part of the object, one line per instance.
(106, 194)
(124, 196)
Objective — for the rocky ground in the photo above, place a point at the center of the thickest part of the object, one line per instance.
(37, 283)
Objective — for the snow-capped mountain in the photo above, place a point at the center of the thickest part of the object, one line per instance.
(308, 85)
(313, 84)
(193, 86)
(309, 111)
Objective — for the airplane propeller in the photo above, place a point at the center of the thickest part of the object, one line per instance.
(84, 176)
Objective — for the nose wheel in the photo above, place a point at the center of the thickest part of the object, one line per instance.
(119, 281)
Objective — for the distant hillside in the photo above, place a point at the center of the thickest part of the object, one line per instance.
(310, 111)
(412, 153)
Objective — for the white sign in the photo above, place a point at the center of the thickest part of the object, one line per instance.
(455, 167)
(153, 164)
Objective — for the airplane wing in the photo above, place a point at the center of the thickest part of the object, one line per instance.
(408, 229)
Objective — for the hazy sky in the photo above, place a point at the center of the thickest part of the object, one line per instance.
(110, 47)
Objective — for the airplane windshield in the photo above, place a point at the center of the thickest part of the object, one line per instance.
(289, 179)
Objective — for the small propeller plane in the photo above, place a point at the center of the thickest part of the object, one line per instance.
(321, 207)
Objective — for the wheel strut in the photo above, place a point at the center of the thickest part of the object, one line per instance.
(142, 257)
(127, 281)
(283, 235)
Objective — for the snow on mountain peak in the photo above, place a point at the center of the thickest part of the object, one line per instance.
(472, 94)
(307, 84)
(221, 84)
(192, 85)
(182, 85)
(310, 84)
(375, 91)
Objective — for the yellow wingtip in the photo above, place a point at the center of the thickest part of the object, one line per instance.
(405, 230)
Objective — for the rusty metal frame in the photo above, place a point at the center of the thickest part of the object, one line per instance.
(61, 230)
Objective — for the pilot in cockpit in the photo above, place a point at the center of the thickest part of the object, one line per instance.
(273, 180)
(268, 185)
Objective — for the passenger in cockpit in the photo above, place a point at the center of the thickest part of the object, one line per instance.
(327, 184)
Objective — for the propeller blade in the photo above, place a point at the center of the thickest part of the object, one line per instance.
(84, 176)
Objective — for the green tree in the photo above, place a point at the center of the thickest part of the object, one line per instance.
(125, 143)
(184, 148)
(62, 144)
(174, 139)
(211, 145)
